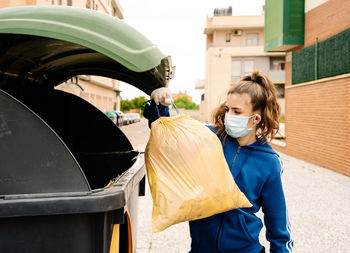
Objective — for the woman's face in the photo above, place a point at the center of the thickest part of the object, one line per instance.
(240, 105)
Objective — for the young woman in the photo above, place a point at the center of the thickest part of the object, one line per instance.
(244, 123)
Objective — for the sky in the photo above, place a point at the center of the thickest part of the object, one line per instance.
(176, 27)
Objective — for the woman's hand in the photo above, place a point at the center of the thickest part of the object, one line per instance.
(162, 96)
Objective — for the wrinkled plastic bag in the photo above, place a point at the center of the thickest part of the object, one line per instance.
(187, 173)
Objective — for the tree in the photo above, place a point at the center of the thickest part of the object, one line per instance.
(136, 103)
(183, 102)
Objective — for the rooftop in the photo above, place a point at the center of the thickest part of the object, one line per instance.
(233, 22)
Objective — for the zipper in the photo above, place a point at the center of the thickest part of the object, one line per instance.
(217, 236)
(234, 159)
(222, 215)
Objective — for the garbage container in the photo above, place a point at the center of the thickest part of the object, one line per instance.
(119, 118)
(69, 178)
(112, 116)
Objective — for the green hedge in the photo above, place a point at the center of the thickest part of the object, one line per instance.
(333, 58)
(303, 65)
(334, 55)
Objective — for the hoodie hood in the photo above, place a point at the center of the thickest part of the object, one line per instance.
(264, 147)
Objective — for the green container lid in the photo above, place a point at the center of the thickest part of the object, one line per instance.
(57, 42)
(110, 114)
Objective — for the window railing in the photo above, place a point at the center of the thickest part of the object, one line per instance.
(277, 76)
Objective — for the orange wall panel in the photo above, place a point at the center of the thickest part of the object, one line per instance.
(318, 123)
(326, 20)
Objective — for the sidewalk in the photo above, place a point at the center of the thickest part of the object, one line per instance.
(318, 202)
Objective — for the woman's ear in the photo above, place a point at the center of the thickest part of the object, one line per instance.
(257, 119)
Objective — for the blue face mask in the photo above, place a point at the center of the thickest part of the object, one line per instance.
(236, 126)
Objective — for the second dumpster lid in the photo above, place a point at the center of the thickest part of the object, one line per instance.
(50, 44)
(33, 158)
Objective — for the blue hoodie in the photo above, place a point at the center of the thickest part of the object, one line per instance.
(150, 111)
(257, 170)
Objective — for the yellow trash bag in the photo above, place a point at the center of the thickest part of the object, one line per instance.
(187, 173)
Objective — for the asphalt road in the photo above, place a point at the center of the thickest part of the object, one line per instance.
(137, 133)
(318, 202)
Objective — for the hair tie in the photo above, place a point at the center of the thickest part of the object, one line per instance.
(257, 80)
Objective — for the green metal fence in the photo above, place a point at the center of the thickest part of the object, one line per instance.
(330, 57)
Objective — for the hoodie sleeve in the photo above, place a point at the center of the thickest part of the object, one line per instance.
(275, 212)
(150, 111)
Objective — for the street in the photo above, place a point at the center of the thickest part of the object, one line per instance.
(318, 203)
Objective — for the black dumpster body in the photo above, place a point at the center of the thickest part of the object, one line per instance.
(69, 178)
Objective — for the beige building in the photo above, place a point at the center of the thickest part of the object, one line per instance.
(235, 47)
(103, 93)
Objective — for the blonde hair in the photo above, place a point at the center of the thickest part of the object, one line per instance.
(263, 97)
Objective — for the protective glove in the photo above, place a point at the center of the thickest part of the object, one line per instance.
(162, 96)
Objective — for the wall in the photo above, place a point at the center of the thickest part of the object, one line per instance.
(101, 96)
(239, 21)
(318, 122)
(311, 4)
(326, 20)
(237, 41)
(13, 3)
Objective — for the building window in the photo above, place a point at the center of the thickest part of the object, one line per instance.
(248, 67)
(236, 68)
(69, 2)
(277, 63)
(228, 37)
(252, 39)
(241, 66)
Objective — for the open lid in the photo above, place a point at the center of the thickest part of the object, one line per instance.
(50, 44)
(33, 159)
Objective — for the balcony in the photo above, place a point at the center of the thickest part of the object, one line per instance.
(277, 76)
(284, 25)
(199, 84)
(235, 44)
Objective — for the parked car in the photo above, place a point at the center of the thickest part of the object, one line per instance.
(128, 118)
(132, 117)
(71, 178)
(136, 117)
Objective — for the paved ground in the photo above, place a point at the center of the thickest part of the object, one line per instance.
(318, 201)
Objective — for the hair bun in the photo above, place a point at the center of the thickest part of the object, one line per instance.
(256, 77)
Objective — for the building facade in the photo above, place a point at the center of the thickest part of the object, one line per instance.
(235, 47)
(103, 93)
(315, 34)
